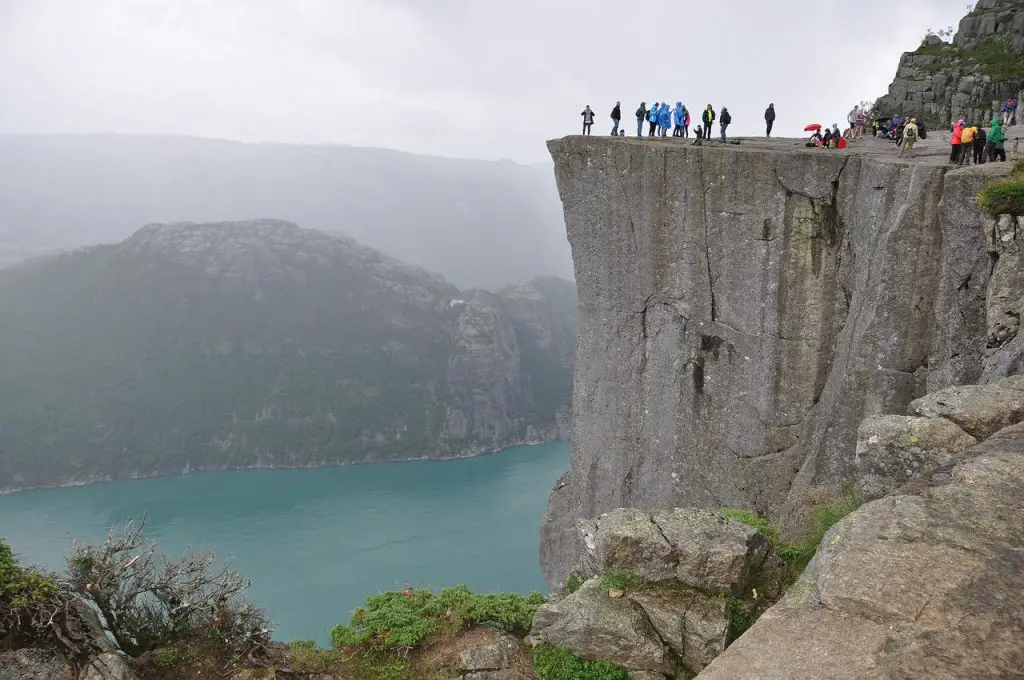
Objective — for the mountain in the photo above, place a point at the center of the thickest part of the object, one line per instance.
(479, 223)
(970, 76)
(209, 346)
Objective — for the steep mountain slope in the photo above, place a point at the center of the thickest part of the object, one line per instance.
(478, 223)
(239, 344)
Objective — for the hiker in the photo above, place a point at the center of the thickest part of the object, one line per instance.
(641, 118)
(708, 117)
(652, 118)
(1009, 111)
(980, 140)
(996, 140)
(836, 135)
(679, 117)
(954, 140)
(616, 117)
(769, 119)
(909, 138)
(851, 118)
(860, 120)
(698, 140)
(826, 139)
(686, 122)
(966, 143)
(724, 118)
(664, 118)
(588, 119)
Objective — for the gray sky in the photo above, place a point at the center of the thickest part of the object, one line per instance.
(473, 78)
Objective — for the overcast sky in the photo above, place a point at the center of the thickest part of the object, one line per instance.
(472, 78)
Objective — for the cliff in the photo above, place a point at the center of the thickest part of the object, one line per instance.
(971, 76)
(261, 344)
(743, 308)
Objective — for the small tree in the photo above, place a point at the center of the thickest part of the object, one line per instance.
(147, 600)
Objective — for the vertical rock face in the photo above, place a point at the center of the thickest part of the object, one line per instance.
(742, 309)
(971, 76)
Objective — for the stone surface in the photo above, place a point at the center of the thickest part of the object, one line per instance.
(694, 625)
(892, 450)
(597, 627)
(703, 549)
(497, 654)
(980, 410)
(1005, 300)
(742, 308)
(909, 586)
(107, 667)
(34, 664)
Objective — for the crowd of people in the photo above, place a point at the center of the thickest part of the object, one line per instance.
(662, 118)
(969, 141)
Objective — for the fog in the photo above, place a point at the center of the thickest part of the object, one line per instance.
(465, 78)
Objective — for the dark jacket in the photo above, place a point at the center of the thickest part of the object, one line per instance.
(616, 113)
(641, 113)
(708, 117)
(981, 138)
(769, 114)
(725, 117)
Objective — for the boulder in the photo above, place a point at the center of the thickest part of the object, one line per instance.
(980, 410)
(714, 553)
(892, 450)
(497, 654)
(597, 627)
(627, 540)
(693, 624)
(910, 586)
(34, 664)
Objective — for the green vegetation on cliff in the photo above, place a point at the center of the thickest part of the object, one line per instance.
(263, 344)
(1005, 195)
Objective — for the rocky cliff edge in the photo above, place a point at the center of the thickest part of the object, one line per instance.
(743, 308)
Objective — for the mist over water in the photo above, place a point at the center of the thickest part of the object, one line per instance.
(316, 542)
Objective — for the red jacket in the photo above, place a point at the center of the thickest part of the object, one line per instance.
(958, 130)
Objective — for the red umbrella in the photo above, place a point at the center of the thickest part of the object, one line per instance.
(812, 127)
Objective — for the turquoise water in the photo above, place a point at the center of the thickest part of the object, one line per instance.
(316, 542)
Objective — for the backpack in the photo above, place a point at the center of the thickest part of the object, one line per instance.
(910, 133)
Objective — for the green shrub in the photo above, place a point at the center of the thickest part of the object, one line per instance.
(394, 620)
(558, 663)
(770, 531)
(29, 599)
(623, 580)
(167, 657)
(1004, 195)
(741, 618)
(573, 583)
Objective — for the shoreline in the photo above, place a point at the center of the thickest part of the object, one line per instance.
(9, 491)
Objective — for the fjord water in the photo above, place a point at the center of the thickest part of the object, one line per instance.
(316, 542)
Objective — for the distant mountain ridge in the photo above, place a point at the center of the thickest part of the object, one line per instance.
(478, 223)
(263, 344)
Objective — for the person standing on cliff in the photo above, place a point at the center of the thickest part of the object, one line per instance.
(769, 119)
(967, 136)
(996, 139)
(980, 141)
(1009, 111)
(708, 117)
(954, 140)
(616, 118)
(909, 138)
(652, 118)
(678, 117)
(724, 118)
(664, 118)
(588, 119)
(686, 122)
(641, 118)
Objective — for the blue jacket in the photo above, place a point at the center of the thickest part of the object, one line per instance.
(680, 114)
(664, 116)
(652, 115)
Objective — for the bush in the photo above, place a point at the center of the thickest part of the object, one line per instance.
(1004, 195)
(623, 580)
(558, 663)
(400, 621)
(36, 608)
(306, 657)
(573, 583)
(148, 601)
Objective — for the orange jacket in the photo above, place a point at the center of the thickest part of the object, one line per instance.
(958, 131)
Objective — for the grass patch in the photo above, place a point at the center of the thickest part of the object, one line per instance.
(623, 580)
(558, 663)
(306, 657)
(400, 621)
(770, 531)
(1004, 195)
(573, 583)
